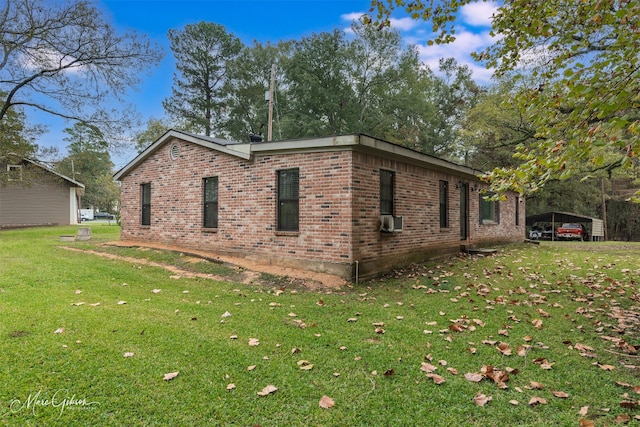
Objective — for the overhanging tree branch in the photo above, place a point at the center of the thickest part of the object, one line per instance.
(66, 60)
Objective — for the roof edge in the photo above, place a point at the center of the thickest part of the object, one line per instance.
(51, 171)
(241, 150)
(339, 142)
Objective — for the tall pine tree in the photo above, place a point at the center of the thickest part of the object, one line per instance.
(202, 52)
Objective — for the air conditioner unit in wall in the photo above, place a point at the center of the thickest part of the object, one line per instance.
(390, 224)
(397, 224)
(386, 223)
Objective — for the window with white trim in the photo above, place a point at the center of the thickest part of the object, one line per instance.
(14, 172)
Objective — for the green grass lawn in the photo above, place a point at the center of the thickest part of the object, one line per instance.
(88, 340)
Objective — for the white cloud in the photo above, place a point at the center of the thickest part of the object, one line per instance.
(417, 32)
(353, 16)
(49, 59)
(478, 14)
(465, 43)
(403, 24)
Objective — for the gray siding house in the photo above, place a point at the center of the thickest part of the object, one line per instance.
(32, 194)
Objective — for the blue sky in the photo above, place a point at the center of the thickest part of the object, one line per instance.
(266, 20)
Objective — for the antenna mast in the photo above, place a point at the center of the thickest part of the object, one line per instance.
(271, 89)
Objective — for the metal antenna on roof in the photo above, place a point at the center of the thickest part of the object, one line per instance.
(275, 104)
(271, 90)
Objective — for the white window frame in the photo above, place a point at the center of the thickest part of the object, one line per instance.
(14, 170)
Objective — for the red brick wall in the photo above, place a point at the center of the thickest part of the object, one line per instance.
(417, 200)
(246, 204)
(339, 209)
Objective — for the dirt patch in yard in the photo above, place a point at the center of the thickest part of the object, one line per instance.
(249, 271)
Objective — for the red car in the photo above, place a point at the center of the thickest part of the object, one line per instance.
(571, 231)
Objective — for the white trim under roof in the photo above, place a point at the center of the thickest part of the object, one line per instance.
(331, 143)
(335, 143)
(239, 149)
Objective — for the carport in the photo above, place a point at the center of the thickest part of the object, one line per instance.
(594, 225)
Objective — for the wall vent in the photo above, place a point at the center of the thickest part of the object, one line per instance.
(174, 152)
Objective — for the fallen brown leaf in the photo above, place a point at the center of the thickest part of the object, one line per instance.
(543, 313)
(623, 419)
(582, 347)
(481, 399)
(457, 327)
(605, 367)
(628, 404)
(170, 376)
(537, 401)
(305, 365)
(268, 390)
(437, 378)
(504, 348)
(536, 385)
(473, 377)
(546, 365)
(326, 402)
(428, 367)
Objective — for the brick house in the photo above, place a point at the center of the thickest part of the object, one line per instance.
(348, 205)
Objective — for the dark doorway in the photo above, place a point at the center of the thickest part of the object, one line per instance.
(464, 211)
